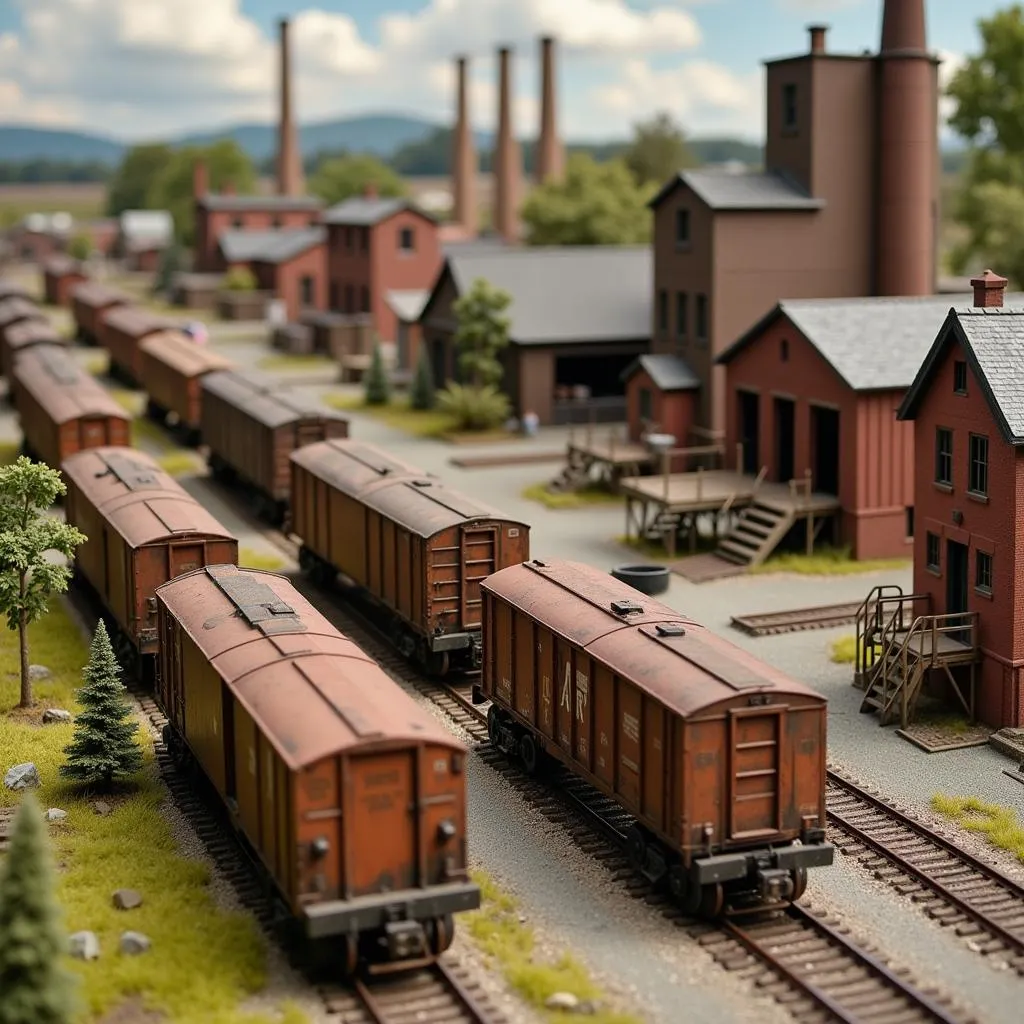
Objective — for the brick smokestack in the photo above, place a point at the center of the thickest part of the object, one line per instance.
(507, 160)
(289, 161)
(817, 34)
(988, 290)
(200, 179)
(550, 153)
(464, 164)
(907, 153)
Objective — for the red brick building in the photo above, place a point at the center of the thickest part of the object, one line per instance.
(294, 268)
(661, 397)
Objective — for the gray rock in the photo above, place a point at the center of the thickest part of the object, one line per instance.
(22, 776)
(56, 814)
(127, 899)
(51, 715)
(562, 1001)
(102, 808)
(134, 943)
(84, 945)
(38, 672)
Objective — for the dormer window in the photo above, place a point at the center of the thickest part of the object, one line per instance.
(960, 377)
(406, 240)
(784, 350)
(682, 228)
(789, 111)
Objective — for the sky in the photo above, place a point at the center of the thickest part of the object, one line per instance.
(140, 69)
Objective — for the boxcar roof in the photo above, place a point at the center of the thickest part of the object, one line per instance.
(137, 498)
(181, 353)
(18, 308)
(60, 264)
(663, 653)
(94, 293)
(135, 321)
(33, 332)
(264, 401)
(62, 387)
(352, 466)
(312, 692)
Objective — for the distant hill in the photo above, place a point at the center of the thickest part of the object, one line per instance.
(19, 143)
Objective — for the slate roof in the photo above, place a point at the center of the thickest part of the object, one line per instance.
(874, 344)
(565, 293)
(407, 304)
(362, 211)
(756, 190)
(274, 246)
(668, 372)
(230, 204)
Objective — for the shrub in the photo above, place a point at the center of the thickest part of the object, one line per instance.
(378, 388)
(240, 279)
(474, 408)
(80, 247)
(422, 394)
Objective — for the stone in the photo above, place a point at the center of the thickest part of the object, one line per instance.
(562, 1001)
(38, 672)
(127, 899)
(134, 943)
(52, 715)
(22, 776)
(56, 814)
(102, 808)
(84, 945)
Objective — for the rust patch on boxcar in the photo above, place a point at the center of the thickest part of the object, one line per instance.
(256, 602)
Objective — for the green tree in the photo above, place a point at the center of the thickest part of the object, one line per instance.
(27, 534)
(594, 204)
(482, 332)
(341, 177)
(171, 261)
(421, 395)
(657, 151)
(80, 247)
(130, 187)
(378, 387)
(103, 747)
(240, 279)
(35, 986)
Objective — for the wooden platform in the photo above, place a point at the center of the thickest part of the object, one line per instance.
(706, 567)
(610, 452)
(944, 647)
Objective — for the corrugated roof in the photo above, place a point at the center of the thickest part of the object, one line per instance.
(182, 354)
(753, 190)
(61, 387)
(277, 204)
(96, 294)
(362, 211)
(668, 372)
(407, 305)
(351, 465)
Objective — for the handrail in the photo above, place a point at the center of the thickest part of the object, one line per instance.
(929, 624)
(759, 479)
(867, 607)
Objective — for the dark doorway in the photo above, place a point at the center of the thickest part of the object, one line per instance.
(785, 439)
(749, 406)
(439, 361)
(825, 439)
(956, 577)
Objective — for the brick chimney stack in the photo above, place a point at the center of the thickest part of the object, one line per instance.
(370, 190)
(507, 159)
(988, 290)
(817, 34)
(200, 180)
(464, 162)
(228, 189)
(550, 152)
(289, 160)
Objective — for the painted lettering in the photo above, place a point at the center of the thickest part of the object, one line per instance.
(565, 701)
(582, 689)
(631, 726)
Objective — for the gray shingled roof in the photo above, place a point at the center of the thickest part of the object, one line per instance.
(754, 190)
(564, 294)
(269, 246)
(668, 372)
(229, 203)
(364, 211)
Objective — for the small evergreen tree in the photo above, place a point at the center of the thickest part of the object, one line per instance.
(422, 394)
(34, 986)
(170, 264)
(103, 746)
(378, 388)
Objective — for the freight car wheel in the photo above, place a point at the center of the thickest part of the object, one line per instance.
(440, 934)
(686, 895)
(494, 727)
(799, 876)
(529, 754)
(636, 848)
(712, 900)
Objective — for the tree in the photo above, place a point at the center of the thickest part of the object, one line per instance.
(80, 247)
(422, 396)
(345, 176)
(27, 578)
(240, 279)
(170, 263)
(594, 204)
(378, 387)
(658, 151)
(103, 747)
(36, 988)
(482, 332)
(130, 187)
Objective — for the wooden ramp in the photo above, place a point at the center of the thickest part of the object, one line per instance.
(706, 567)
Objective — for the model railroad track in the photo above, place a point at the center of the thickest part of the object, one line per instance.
(955, 888)
(771, 623)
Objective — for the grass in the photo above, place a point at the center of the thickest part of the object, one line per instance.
(397, 414)
(844, 650)
(949, 721)
(131, 401)
(84, 201)
(591, 494)
(999, 825)
(131, 847)
(826, 562)
(295, 362)
(8, 452)
(97, 364)
(504, 939)
(178, 463)
(250, 558)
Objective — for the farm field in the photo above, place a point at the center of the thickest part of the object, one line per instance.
(83, 200)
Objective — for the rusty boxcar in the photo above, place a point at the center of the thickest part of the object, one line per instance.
(170, 368)
(718, 757)
(60, 274)
(121, 330)
(61, 408)
(89, 300)
(251, 426)
(144, 529)
(17, 310)
(352, 796)
(21, 336)
(416, 548)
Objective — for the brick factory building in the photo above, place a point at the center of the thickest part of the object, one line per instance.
(294, 268)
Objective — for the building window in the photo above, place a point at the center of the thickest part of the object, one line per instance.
(789, 106)
(978, 480)
(983, 572)
(646, 405)
(313, 220)
(276, 222)
(348, 239)
(784, 350)
(682, 228)
(349, 306)
(932, 552)
(682, 314)
(406, 240)
(960, 377)
(662, 310)
(944, 456)
(364, 239)
(364, 296)
(702, 318)
(909, 511)
(333, 299)
(306, 290)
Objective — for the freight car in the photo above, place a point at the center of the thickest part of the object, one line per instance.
(60, 274)
(351, 796)
(121, 330)
(143, 529)
(251, 426)
(21, 336)
(61, 408)
(89, 300)
(170, 367)
(415, 548)
(17, 310)
(718, 758)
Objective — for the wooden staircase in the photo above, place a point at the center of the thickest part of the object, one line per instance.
(759, 529)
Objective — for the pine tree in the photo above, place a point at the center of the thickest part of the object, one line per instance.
(378, 388)
(35, 987)
(422, 394)
(103, 746)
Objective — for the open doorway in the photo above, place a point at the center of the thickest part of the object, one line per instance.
(749, 409)
(825, 445)
(956, 582)
(785, 439)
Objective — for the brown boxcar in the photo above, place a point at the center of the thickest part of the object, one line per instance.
(415, 547)
(121, 330)
(22, 336)
(60, 274)
(171, 365)
(251, 426)
(352, 796)
(144, 529)
(718, 757)
(61, 408)
(11, 290)
(89, 300)
(17, 310)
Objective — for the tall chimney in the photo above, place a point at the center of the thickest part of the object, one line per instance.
(289, 161)
(507, 163)
(550, 156)
(464, 163)
(817, 34)
(907, 154)
(200, 179)
(988, 290)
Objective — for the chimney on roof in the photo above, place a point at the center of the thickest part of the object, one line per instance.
(817, 34)
(200, 180)
(464, 163)
(550, 153)
(289, 162)
(988, 290)
(370, 190)
(228, 189)
(507, 162)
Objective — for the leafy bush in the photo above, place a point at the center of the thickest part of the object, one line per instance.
(422, 394)
(473, 408)
(80, 247)
(240, 279)
(378, 388)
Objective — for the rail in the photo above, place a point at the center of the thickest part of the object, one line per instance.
(439, 997)
(773, 623)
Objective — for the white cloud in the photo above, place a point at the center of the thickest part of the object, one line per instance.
(817, 6)
(951, 63)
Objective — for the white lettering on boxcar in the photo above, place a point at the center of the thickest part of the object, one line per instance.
(440, 766)
(252, 760)
(582, 689)
(565, 700)
(513, 531)
(604, 739)
(631, 726)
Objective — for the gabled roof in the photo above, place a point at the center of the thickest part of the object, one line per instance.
(993, 342)
(275, 246)
(364, 211)
(668, 372)
(278, 204)
(407, 304)
(146, 229)
(755, 190)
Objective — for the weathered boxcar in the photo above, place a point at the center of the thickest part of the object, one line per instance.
(60, 274)
(251, 426)
(415, 547)
(718, 757)
(61, 408)
(12, 290)
(89, 300)
(170, 368)
(22, 336)
(17, 310)
(353, 797)
(121, 330)
(144, 529)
